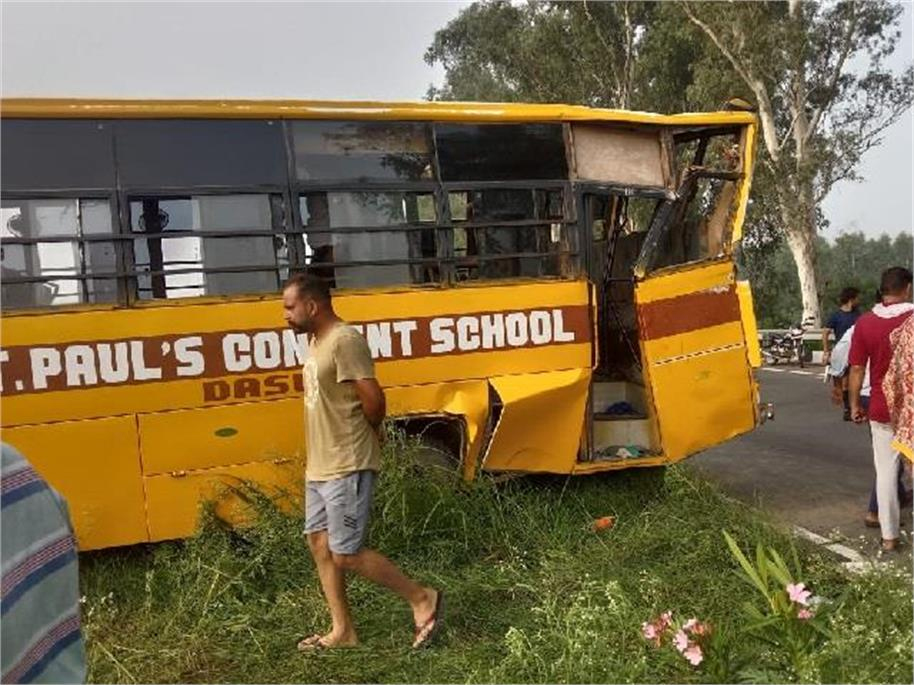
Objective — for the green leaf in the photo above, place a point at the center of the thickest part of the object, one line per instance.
(753, 611)
(744, 562)
(764, 623)
(779, 569)
(761, 564)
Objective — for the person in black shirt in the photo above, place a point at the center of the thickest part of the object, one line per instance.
(838, 324)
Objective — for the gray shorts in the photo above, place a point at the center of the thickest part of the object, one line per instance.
(341, 507)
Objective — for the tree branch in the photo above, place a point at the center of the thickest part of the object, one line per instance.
(836, 74)
(607, 47)
(871, 140)
(766, 111)
(629, 62)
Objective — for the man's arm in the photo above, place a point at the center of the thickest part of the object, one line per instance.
(854, 384)
(826, 332)
(354, 365)
(374, 406)
(858, 357)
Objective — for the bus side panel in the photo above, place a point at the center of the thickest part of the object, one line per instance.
(750, 327)
(468, 400)
(196, 355)
(95, 466)
(175, 500)
(694, 345)
(541, 421)
(222, 436)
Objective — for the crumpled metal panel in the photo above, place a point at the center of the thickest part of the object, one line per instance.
(750, 327)
(541, 421)
(468, 400)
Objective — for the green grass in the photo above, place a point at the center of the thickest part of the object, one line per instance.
(534, 594)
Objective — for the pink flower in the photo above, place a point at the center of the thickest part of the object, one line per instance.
(805, 614)
(680, 641)
(666, 620)
(693, 654)
(798, 593)
(649, 630)
(695, 627)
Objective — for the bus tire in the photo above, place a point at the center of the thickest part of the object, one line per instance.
(439, 443)
(433, 453)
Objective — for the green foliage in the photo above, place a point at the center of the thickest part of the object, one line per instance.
(535, 595)
(851, 260)
(781, 622)
(601, 54)
(817, 73)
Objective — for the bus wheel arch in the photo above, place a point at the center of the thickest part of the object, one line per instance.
(441, 438)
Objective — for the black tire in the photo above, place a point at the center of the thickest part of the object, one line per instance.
(435, 459)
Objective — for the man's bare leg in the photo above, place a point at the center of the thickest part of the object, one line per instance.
(381, 570)
(333, 583)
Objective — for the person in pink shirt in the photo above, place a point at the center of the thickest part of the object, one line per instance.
(871, 344)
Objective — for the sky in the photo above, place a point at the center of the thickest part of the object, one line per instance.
(322, 50)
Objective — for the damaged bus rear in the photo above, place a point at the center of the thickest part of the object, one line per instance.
(544, 288)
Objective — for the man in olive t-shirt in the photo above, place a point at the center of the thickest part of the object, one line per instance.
(345, 407)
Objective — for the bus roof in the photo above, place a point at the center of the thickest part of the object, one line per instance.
(64, 108)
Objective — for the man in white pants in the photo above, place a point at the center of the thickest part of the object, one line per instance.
(870, 344)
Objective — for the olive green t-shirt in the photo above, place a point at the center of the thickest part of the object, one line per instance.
(340, 439)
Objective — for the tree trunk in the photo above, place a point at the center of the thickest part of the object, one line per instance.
(801, 236)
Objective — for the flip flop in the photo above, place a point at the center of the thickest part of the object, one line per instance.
(426, 633)
(314, 643)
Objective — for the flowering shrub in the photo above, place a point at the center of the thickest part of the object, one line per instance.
(791, 619)
(688, 639)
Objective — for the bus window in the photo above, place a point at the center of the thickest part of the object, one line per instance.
(44, 154)
(46, 256)
(697, 149)
(364, 150)
(174, 153)
(500, 152)
(511, 233)
(699, 223)
(183, 254)
(365, 239)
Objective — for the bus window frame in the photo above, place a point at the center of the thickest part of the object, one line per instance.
(569, 220)
(115, 238)
(293, 230)
(664, 221)
(128, 194)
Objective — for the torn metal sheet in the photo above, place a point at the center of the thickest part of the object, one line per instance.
(541, 421)
(468, 400)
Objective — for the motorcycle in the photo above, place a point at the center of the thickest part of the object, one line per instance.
(787, 346)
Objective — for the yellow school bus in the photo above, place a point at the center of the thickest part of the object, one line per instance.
(544, 288)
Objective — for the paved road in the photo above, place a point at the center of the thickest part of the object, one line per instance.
(808, 467)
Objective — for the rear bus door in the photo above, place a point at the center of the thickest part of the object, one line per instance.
(695, 320)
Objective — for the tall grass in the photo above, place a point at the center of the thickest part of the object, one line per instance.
(535, 595)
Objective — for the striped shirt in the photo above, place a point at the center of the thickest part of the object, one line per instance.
(39, 593)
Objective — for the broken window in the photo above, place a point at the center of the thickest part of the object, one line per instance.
(511, 233)
(365, 239)
(50, 247)
(711, 150)
(695, 227)
(208, 245)
(362, 150)
(500, 152)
